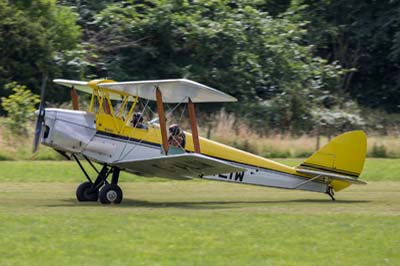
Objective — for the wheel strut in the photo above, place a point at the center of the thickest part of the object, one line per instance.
(115, 176)
(83, 169)
(102, 177)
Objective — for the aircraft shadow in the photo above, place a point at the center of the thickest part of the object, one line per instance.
(135, 203)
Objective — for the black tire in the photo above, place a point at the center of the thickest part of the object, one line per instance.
(84, 193)
(110, 193)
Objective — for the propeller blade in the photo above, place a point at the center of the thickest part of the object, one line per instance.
(38, 132)
(41, 115)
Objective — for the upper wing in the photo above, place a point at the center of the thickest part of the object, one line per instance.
(86, 86)
(79, 85)
(173, 90)
(180, 166)
(333, 176)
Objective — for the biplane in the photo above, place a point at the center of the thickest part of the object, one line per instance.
(112, 133)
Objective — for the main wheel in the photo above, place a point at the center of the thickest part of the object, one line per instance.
(110, 193)
(84, 192)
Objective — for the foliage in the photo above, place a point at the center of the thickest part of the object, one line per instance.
(235, 48)
(378, 151)
(363, 35)
(337, 119)
(32, 35)
(283, 60)
(20, 107)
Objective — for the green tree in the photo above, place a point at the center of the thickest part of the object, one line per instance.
(365, 36)
(34, 37)
(235, 48)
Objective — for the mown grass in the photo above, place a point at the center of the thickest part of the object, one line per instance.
(200, 223)
(55, 171)
(195, 222)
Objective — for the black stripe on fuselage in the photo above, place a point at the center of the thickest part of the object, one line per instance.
(107, 134)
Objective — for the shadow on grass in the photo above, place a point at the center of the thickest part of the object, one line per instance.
(134, 203)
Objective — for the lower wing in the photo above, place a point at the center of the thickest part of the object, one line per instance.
(180, 166)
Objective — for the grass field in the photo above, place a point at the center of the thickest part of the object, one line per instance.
(196, 222)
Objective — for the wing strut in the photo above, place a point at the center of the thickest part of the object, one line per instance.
(193, 125)
(161, 116)
(74, 98)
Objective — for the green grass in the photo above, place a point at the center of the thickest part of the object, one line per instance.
(54, 171)
(195, 222)
(200, 223)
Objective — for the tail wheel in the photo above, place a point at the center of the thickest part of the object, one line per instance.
(110, 193)
(84, 192)
(331, 193)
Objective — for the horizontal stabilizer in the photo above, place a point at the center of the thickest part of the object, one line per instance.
(180, 166)
(331, 176)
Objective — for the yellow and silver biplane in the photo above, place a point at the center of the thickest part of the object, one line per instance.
(106, 134)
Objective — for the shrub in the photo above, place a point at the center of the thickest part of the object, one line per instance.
(379, 151)
(20, 107)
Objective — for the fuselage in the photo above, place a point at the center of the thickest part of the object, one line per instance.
(106, 139)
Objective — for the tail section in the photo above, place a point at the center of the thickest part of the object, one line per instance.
(343, 155)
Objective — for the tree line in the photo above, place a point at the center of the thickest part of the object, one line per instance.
(294, 65)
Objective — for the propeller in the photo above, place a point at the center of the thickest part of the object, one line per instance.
(40, 117)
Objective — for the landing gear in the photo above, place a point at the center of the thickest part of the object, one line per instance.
(84, 192)
(110, 193)
(331, 193)
(89, 190)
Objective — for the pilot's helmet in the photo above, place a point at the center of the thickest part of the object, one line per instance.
(175, 130)
(137, 117)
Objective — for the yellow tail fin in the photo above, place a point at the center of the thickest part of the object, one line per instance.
(345, 154)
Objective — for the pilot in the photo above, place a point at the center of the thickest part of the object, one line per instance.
(176, 137)
(137, 120)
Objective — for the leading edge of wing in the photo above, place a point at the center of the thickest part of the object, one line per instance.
(178, 166)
